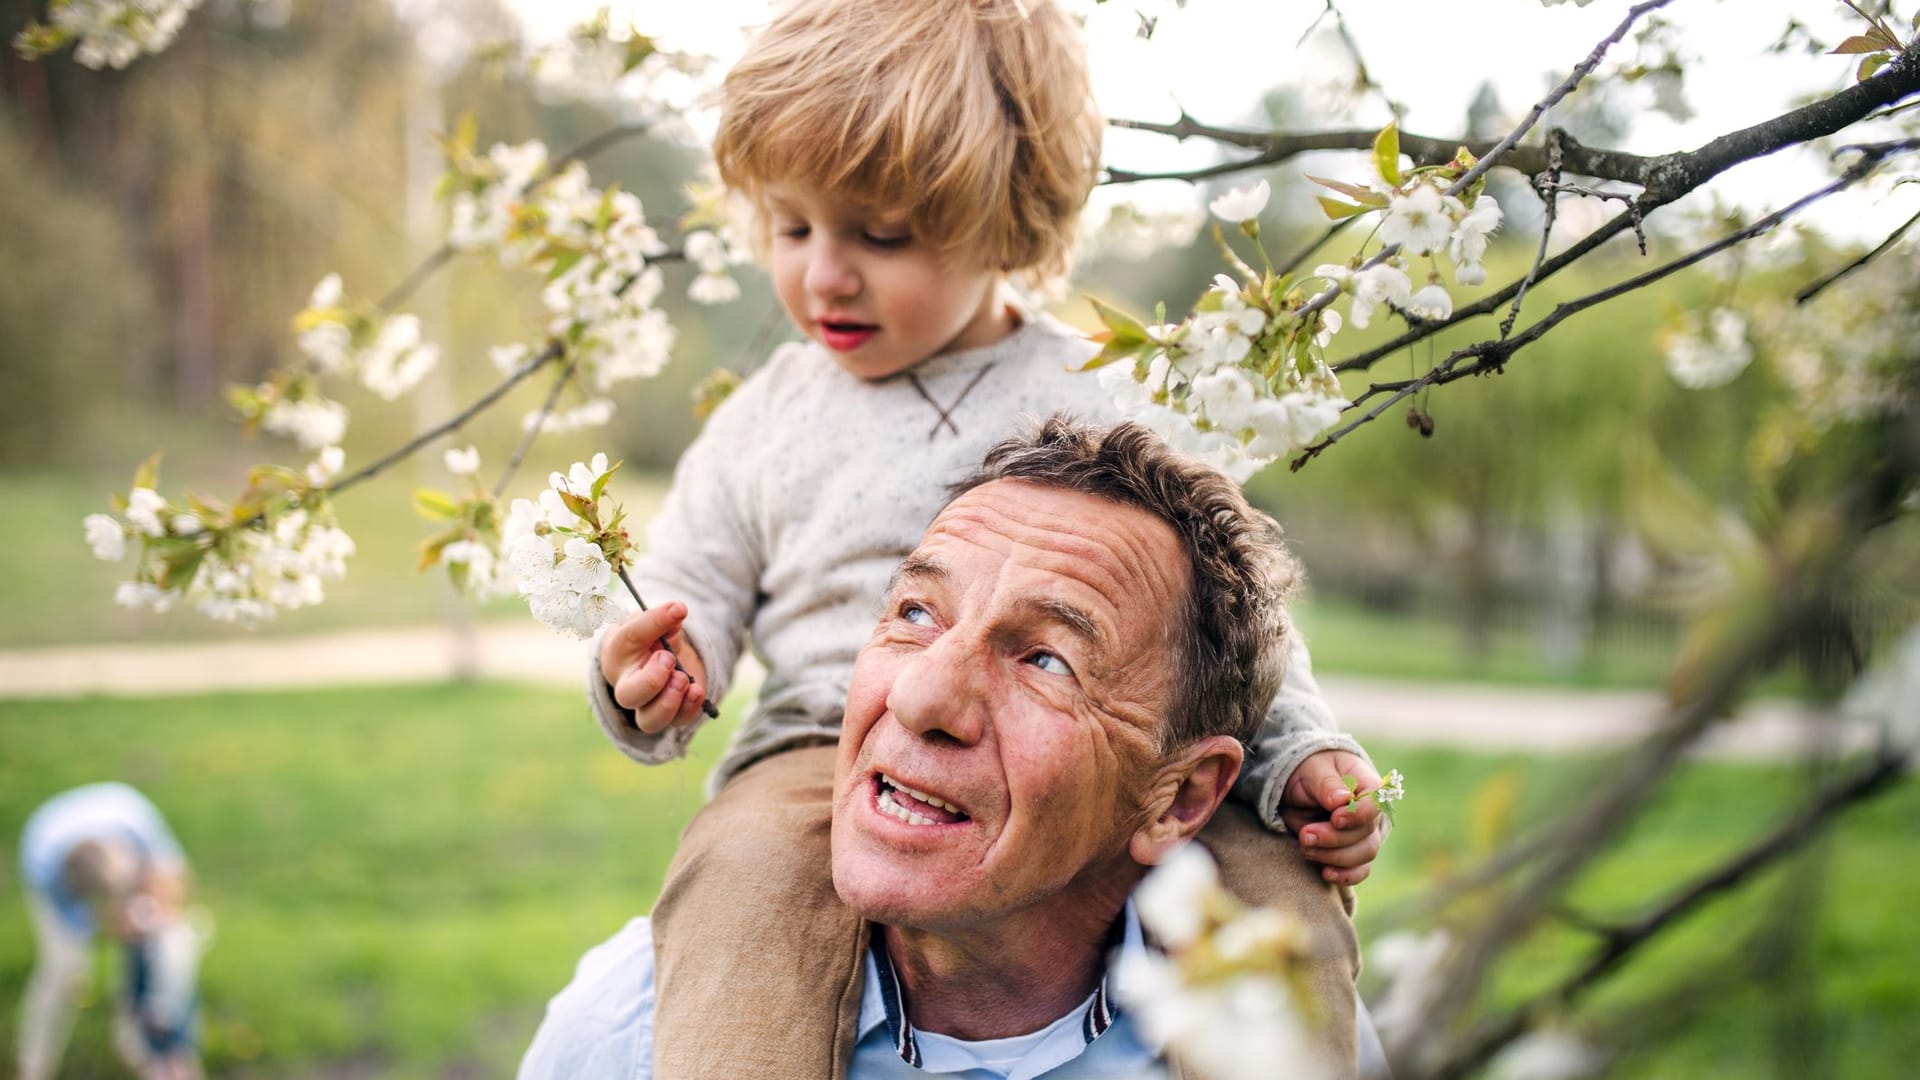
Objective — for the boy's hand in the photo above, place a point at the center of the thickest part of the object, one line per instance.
(642, 673)
(1314, 805)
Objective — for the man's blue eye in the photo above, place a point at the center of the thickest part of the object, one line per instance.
(917, 615)
(1050, 663)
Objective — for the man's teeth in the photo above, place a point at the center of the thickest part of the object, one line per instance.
(888, 805)
(921, 795)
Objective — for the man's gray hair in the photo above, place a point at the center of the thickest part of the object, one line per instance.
(1233, 634)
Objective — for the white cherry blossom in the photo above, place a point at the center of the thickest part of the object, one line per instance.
(1241, 204)
(106, 536)
(1417, 221)
(462, 462)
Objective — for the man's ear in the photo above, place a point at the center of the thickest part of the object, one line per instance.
(1184, 795)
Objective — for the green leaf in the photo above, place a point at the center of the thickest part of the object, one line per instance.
(600, 485)
(432, 546)
(148, 474)
(563, 261)
(639, 47)
(1337, 210)
(1871, 64)
(582, 509)
(1858, 43)
(435, 505)
(1113, 350)
(1125, 328)
(1386, 154)
(1363, 196)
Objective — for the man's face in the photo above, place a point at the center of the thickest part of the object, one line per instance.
(856, 280)
(1019, 675)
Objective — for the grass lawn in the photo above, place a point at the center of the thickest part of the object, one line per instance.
(401, 877)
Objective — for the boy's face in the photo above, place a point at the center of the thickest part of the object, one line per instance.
(880, 299)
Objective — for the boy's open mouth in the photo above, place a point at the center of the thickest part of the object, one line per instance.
(846, 336)
(913, 807)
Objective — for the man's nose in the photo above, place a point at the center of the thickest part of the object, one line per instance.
(831, 273)
(941, 693)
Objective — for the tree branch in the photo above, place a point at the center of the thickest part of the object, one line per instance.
(1277, 147)
(533, 430)
(452, 424)
(1493, 354)
(1673, 176)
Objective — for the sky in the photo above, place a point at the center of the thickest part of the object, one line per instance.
(1217, 57)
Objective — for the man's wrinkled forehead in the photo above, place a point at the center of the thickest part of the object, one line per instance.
(1123, 554)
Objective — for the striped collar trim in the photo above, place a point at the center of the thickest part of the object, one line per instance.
(1099, 1018)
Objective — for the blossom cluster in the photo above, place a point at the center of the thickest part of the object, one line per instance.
(599, 256)
(106, 33)
(336, 338)
(564, 558)
(1225, 996)
(270, 551)
(1391, 790)
(1243, 379)
(468, 545)
(1240, 381)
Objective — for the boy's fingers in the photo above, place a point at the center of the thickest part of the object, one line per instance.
(690, 708)
(1354, 876)
(664, 711)
(1348, 856)
(640, 634)
(642, 683)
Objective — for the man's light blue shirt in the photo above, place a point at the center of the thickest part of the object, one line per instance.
(601, 1027)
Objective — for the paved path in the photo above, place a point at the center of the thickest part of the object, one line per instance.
(1478, 716)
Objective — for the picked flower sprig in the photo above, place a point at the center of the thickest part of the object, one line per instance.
(568, 546)
(1391, 790)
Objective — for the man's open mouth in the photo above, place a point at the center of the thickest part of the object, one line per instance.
(911, 806)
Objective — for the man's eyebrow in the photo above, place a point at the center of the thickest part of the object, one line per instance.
(1075, 619)
(918, 568)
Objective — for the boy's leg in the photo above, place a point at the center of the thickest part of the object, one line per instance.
(1266, 868)
(755, 956)
(60, 973)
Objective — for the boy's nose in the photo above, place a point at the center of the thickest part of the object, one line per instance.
(831, 275)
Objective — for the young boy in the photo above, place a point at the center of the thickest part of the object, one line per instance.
(903, 158)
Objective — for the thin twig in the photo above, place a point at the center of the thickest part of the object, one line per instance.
(1547, 184)
(1292, 262)
(1820, 286)
(1567, 86)
(707, 707)
(451, 424)
(534, 429)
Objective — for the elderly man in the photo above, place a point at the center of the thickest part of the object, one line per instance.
(1056, 697)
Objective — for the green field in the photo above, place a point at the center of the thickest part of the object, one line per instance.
(401, 877)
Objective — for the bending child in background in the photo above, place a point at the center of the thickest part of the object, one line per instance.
(101, 857)
(903, 159)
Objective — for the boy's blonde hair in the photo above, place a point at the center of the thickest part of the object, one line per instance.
(976, 117)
